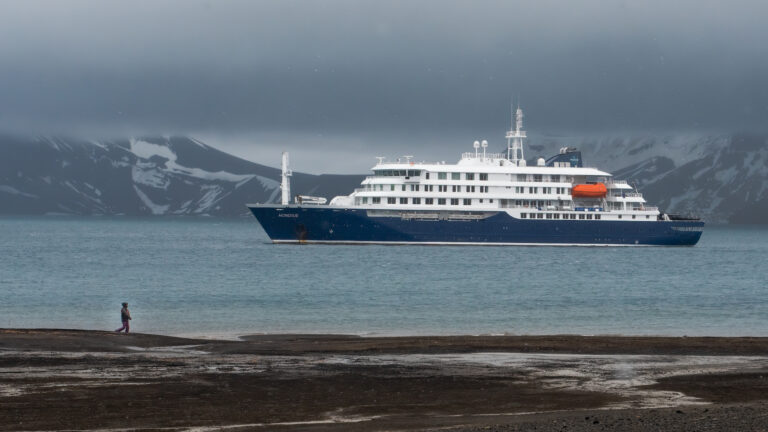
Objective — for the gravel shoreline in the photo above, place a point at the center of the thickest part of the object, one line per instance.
(89, 380)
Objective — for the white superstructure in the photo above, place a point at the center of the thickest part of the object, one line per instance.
(484, 182)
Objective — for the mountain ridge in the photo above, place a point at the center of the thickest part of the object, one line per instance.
(723, 178)
(140, 177)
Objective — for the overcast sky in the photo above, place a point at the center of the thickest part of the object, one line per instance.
(327, 78)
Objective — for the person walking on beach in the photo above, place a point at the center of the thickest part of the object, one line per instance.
(125, 316)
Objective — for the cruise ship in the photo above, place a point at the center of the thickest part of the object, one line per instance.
(483, 199)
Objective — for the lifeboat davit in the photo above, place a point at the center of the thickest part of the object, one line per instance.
(597, 190)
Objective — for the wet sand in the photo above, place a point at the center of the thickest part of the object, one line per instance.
(88, 380)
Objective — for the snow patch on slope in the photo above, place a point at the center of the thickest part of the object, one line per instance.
(727, 175)
(210, 196)
(57, 143)
(13, 191)
(98, 144)
(146, 150)
(200, 143)
(208, 175)
(268, 184)
(156, 209)
(85, 194)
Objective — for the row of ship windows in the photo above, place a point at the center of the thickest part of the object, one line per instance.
(544, 190)
(467, 176)
(508, 203)
(440, 175)
(482, 189)
(566, 216)
(557, 216)
(455, 201)
(397, 173)
(430, 188)
(505, 203)
(457, 176)
(467, 201)
(417, 201)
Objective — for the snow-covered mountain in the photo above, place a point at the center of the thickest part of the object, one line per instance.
(723, 178)
(149, 176)
(727, 184)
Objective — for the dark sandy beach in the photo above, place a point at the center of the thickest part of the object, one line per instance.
(88, 380)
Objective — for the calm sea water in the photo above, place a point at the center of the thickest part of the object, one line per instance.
(218, 278)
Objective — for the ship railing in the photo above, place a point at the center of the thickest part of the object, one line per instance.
(472, 155)
(406, 178)
(566, 180)
(617, 182)
(648, 208)
(625, 195)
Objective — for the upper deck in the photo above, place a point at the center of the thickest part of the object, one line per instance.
(492, 182)
(483, 165)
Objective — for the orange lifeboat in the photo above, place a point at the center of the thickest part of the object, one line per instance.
(597, 190)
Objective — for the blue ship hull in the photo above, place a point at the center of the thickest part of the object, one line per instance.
(322, 224)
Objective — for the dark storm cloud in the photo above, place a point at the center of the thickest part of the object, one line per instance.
(331, 67)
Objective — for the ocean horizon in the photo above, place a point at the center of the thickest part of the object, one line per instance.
(222, 278)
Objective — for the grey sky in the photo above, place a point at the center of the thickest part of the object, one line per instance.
(338, 76)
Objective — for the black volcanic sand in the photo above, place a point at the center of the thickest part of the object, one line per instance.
(69, 379)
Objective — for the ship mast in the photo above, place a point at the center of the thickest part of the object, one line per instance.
(515, 138)
(285, 186)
